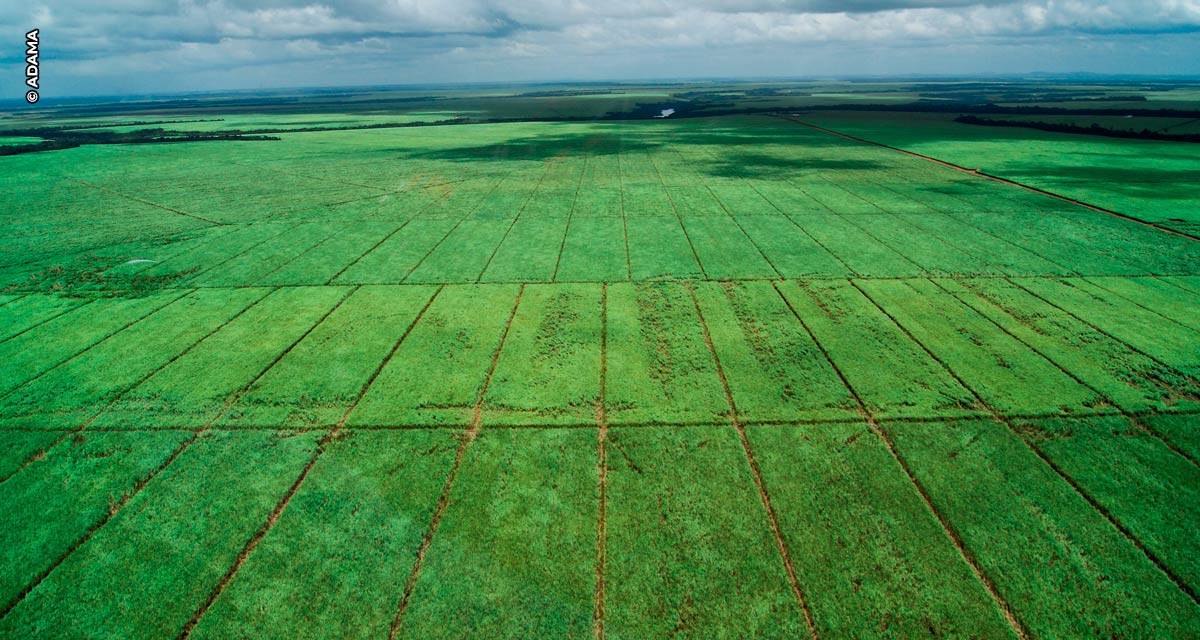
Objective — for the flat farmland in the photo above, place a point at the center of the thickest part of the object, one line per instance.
(711, 377)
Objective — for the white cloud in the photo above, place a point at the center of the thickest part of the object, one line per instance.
(119, 37)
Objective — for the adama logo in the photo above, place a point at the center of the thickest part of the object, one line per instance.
(32, 73)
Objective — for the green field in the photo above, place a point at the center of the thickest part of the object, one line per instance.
(710, 377)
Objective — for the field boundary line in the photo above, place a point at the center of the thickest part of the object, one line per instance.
(19, 297)
(146, 202)
(849, 219)
(1150, 555)
(444, 499)
(818, 278)
(290, 226)
(947, 528)
(792, 220)
(976, 172)
(121, 392)
(952, 216)
(602, 469)
(903, 221)
(570, 214)
(1014, 281)
(1137, 422)
(276, 513)
(513, 224)
(541, 426)
(96, 526)
(210, 234)
(454, 228)
(98, 342)
(674, 209)
(296, 257)
(411, 189)
(42, 263)
(309, 177)
(1107, 399)
(1141, 306)
(624, 217)
(48, 319)
(772, 520)
(999, 419)
(385, 238)
(136, 490)
(745, 235)
(1164, 280)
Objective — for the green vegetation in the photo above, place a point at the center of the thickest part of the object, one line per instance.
(366, 526)
(716, 375)
(1037, 538)
(681, 502)
(530, 499)
(870, 557)
(143, 561)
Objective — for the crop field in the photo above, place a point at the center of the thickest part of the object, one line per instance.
(1150, 180)
(713, 377)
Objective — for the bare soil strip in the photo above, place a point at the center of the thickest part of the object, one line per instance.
(602, 469)
(976, 172)
(758, 481)
(1079, 490)
(444, 499)
(945, 524)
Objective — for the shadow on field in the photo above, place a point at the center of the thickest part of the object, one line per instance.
(626, 137)
(540, 148)
(750, 165)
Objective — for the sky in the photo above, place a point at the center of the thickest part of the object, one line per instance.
(131, 47)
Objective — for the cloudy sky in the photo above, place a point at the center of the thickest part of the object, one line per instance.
(118, 47)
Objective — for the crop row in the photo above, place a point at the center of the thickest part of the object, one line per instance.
(908, 349)
(688, 541)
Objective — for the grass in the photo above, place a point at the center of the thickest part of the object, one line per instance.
(698, 377)
(530, 499)
(681, 501)
(1037, 538)
(146, 550)
(873, 559)
(368, 527)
